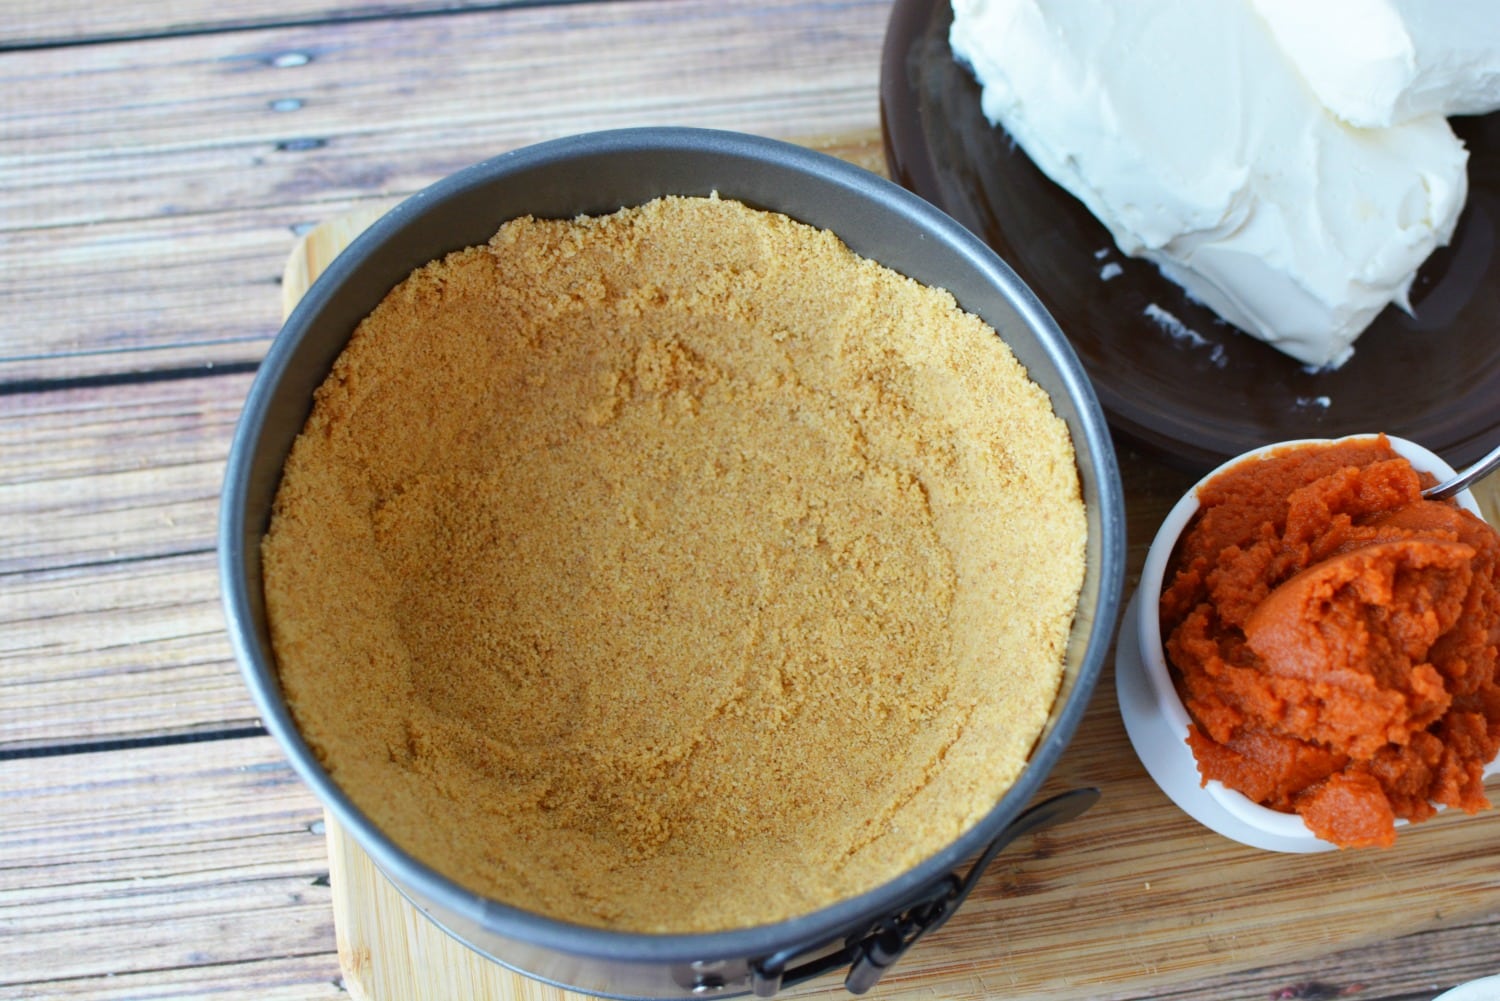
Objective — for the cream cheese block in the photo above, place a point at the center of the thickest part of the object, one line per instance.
(1380, 62)
(1185, 130)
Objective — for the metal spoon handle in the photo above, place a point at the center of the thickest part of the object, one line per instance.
(1465, 479)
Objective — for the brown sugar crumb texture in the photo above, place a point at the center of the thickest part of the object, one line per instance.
(673, 570)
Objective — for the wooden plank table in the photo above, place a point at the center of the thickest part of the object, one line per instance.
(159, 163)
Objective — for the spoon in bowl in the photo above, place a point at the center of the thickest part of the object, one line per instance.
(1465, 479)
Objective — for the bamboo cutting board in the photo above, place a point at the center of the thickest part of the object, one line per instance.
(1133, 896)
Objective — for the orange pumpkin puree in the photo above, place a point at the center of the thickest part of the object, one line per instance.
(1335, 638)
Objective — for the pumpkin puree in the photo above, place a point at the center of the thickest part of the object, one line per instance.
(1335, 640)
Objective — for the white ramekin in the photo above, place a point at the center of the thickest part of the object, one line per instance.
(1483, 989)
(1154, 715)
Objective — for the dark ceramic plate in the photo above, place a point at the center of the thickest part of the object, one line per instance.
(1199, 392)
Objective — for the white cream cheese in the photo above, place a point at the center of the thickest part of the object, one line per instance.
(1185, 130)
(1379, 62)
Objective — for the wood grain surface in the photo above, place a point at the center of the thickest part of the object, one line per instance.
(224, 146)
(35, 24)
(1130, 899)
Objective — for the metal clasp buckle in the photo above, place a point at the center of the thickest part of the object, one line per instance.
(871, 952)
